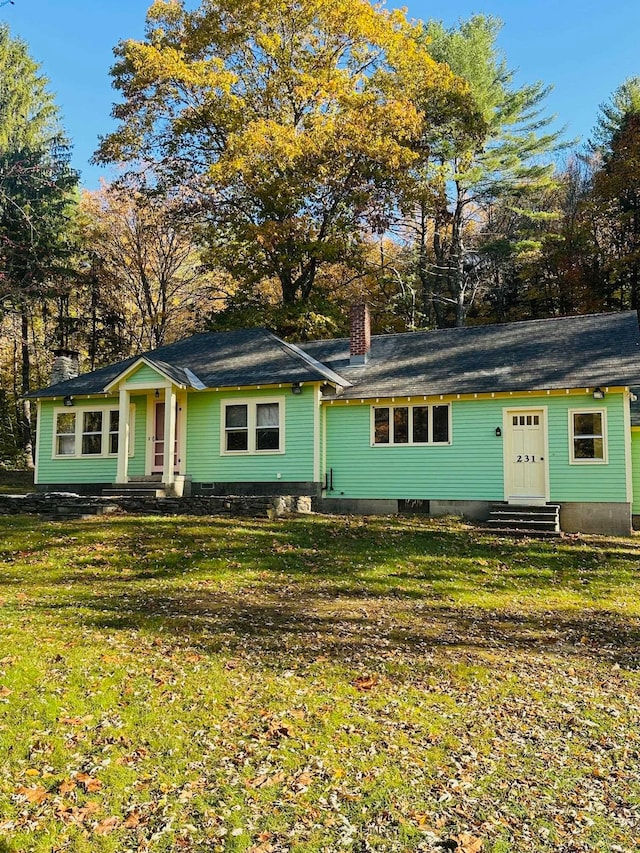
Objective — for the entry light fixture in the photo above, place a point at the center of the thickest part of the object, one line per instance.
(296, 387)
(598, 394)
(498, 432)
(157, 394)
(68, 400)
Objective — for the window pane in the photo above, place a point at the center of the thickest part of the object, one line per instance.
(588, 448)
(236, 416)
(421, 423)
(268, 439)
(92, 444)
(441, 423)
(114, 421)
(381, 426)
(113, 442)
(267, 414)
(237, 439)
(66, 445)
(66, 423)
(401, 425)
(92, 422)
(536, 420)
(587, 423)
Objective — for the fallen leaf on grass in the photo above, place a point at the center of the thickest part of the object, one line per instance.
(132, 820)
(33, 795)
(89, 783)
(66, 786)
(365, 682)
(265, 781)
(468, 843)
(5, 691)
(106, 826)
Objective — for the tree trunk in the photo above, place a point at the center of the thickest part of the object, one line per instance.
(27, 442)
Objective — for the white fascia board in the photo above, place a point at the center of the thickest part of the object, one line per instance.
(329, 375)
(133, 367)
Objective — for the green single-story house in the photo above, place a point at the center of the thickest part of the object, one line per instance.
(455, 420)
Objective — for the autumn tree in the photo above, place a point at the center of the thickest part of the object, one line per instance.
(288, 123)
(146, 261)
(613, 204)
(499, 158)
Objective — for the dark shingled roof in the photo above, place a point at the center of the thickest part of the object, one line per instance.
(218, 360)
(566, 352)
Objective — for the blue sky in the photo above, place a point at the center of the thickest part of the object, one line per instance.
(585, 49)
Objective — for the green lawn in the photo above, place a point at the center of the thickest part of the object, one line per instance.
(316, 684)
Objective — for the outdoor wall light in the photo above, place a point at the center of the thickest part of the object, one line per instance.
(68, 400)
(296, 388)
(598, 394)
(498, 432)
(157, 394)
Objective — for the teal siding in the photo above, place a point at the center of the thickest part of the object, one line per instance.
(100, 469)
(472, 467)
(205, 462)
(635, 459)
(146, 375)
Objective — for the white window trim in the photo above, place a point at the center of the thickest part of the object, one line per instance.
(78, 411)
(411, 407)
(588, 410)
(251, 403)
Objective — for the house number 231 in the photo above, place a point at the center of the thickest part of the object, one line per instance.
(520, 458)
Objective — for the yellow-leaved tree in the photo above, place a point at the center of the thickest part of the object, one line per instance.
(288, 127)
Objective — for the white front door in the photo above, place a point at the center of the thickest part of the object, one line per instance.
(525, 463)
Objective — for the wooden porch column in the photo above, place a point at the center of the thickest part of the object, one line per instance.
(168, 476)
(123, 437)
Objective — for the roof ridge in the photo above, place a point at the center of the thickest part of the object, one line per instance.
(563, 317)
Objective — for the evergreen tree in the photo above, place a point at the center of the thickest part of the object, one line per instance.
(502, 157)
(36, 196)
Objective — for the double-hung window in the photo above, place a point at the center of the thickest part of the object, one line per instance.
(588, 435)
(90, 432)
(254, 426)
(411, 425)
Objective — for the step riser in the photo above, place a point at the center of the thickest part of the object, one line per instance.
(534, 518)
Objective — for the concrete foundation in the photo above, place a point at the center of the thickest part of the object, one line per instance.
(609, 519)
(475, 510)
(356, 506)
(277, 487)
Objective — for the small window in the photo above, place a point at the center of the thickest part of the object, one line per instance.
(91, 433)
(381, 425)
(440, 424)
(267, 426)
(66, 434)
(420, 424)
(237, 428)
(401, 425)
(588, 436)
(114, 422)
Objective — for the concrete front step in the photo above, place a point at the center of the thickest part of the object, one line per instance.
(515, 517)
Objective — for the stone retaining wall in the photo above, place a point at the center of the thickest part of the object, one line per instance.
(60, 504)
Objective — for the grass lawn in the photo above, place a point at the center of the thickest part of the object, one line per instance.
(316, 684)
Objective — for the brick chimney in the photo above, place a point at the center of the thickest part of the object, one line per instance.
(66, 365)
(360, 333)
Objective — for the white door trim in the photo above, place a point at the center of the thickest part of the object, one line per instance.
(507, 414)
